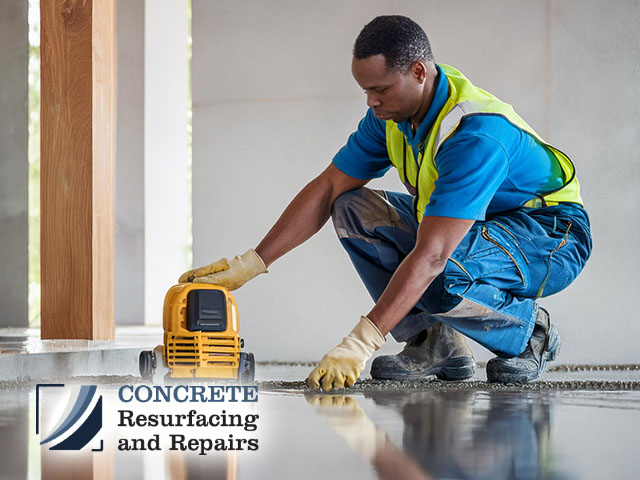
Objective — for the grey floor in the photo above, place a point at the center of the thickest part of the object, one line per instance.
(576, 423)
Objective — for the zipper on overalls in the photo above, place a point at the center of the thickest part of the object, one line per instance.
(486, 236)
(563, 242)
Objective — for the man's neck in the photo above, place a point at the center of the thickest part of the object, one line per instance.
(427, 98)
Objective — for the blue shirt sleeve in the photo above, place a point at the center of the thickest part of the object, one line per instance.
(365, 154)
(471, 168)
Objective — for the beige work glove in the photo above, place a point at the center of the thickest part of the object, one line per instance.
(230, 274)
(341, 366)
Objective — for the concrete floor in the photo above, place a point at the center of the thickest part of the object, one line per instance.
(573, 424)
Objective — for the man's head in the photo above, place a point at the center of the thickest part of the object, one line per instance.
(393, 63)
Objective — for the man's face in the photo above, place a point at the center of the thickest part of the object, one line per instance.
(392, 95)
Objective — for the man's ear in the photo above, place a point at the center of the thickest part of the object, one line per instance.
(419, 71)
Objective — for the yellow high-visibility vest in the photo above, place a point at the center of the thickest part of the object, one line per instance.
(466, 99)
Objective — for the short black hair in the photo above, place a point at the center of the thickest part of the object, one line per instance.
(401, 40)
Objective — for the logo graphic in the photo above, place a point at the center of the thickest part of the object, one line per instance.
(82, 434)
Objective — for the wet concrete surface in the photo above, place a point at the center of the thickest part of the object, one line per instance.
(420, 430)
(290, 376)
(578, 421)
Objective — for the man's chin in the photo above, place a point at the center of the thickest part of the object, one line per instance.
(399, 118)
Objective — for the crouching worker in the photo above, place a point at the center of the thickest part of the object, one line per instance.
(492, 221)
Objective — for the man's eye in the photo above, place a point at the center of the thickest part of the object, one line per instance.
(377, 90)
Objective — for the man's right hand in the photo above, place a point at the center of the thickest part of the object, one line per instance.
(230, 274)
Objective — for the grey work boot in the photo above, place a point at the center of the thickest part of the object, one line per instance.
(543, 346)
(439, 350)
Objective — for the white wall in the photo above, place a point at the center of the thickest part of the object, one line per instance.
(14, 164)
(274, 100)
(129, 231)
(595, 113)
(165, 149)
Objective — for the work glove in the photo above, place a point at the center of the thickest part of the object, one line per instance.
(341, 366)
(230, 274)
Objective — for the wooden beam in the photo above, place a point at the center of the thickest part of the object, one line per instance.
(77, 123)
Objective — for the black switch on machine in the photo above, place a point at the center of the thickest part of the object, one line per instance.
(206, 311)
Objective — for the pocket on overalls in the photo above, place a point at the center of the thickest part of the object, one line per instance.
(551, 285)
(516, 241)
(502, 245)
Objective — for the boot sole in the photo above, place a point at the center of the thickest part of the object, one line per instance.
(494, 375)
(456, 369)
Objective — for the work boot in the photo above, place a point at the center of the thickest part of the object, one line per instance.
(439, 350)
(543, 346)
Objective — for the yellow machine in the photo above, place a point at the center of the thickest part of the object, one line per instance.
(201, 338)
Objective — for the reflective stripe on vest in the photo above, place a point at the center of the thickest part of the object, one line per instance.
(465, 100)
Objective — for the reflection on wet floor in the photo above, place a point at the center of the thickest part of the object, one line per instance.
(410, 434)
(189, 467)
(14, 434)
(471, 434)
(449, 434)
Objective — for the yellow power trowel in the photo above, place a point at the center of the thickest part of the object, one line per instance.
(201, 338)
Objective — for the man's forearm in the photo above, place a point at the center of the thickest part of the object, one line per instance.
(405, 289)
(436, 240)
(306, 214)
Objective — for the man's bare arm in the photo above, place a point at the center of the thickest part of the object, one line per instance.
(437, 238)
(306, 214)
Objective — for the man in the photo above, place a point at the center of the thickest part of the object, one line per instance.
(492, 222)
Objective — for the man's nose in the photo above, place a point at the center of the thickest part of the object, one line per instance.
(373, 100)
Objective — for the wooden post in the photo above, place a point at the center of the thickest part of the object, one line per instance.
(77, 118)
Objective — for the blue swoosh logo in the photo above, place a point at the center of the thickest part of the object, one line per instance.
(82, 403)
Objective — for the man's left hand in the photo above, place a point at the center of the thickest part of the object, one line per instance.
(341, 366)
